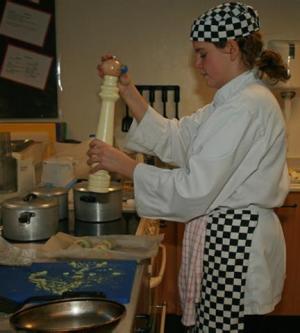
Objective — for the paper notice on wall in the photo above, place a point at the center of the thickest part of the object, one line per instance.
(24, 23)
(27, 67)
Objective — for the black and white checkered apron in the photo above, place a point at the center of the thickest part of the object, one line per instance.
(226, 257)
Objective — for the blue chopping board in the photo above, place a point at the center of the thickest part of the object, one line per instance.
(114, 278)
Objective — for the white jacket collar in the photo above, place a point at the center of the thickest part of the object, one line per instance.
(234, 86)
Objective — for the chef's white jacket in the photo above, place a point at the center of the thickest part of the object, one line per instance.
(231, 153)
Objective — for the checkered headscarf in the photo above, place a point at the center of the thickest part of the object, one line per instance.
(228, 20)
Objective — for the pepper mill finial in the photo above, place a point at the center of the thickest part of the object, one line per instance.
(112, 67)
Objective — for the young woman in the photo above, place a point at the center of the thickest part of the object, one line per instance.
(231, 172)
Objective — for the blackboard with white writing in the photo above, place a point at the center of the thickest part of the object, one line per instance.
(28, 61)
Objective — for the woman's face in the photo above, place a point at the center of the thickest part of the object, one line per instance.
(214, 63)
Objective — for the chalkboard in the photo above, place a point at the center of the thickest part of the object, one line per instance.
(28, 61)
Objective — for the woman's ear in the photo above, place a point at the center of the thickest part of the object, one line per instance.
(233, 49)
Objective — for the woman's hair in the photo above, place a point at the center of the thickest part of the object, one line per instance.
(268, 62)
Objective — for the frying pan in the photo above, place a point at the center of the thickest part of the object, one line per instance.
(74, 314)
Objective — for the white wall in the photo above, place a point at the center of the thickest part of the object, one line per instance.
(152, 38)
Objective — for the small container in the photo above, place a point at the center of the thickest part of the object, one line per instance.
(97, 207)
(30, 218)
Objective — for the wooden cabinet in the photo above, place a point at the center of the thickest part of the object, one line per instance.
(167, 291)
(289, 215)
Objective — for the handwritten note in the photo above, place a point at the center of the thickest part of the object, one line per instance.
(27, 67)
(24, 23)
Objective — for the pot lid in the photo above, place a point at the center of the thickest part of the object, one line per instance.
(30, 201)
(83, 187)
(49, 191)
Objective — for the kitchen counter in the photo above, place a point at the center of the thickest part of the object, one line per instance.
(295, 187)
(125, 325)
(139, 295)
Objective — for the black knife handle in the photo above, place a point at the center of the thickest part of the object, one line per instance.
(176, 100)
(176, 94)
(152, 96)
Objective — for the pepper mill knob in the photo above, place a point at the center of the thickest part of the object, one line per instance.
(111, 67)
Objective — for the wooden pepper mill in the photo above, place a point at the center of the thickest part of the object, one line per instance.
(109, 93)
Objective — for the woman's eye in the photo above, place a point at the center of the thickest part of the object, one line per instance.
(203, 55)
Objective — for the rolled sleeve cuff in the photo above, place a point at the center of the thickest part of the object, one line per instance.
(145, 197)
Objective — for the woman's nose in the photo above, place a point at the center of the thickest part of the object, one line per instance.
(198, 63)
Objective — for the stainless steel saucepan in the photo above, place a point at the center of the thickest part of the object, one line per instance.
(29, 218)
(74, 314)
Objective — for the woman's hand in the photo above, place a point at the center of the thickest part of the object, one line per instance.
(102, 156)
(135, 101)
(124, 78)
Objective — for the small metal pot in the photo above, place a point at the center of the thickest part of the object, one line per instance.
(29, 218)
(97, 207)
(60, 193)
